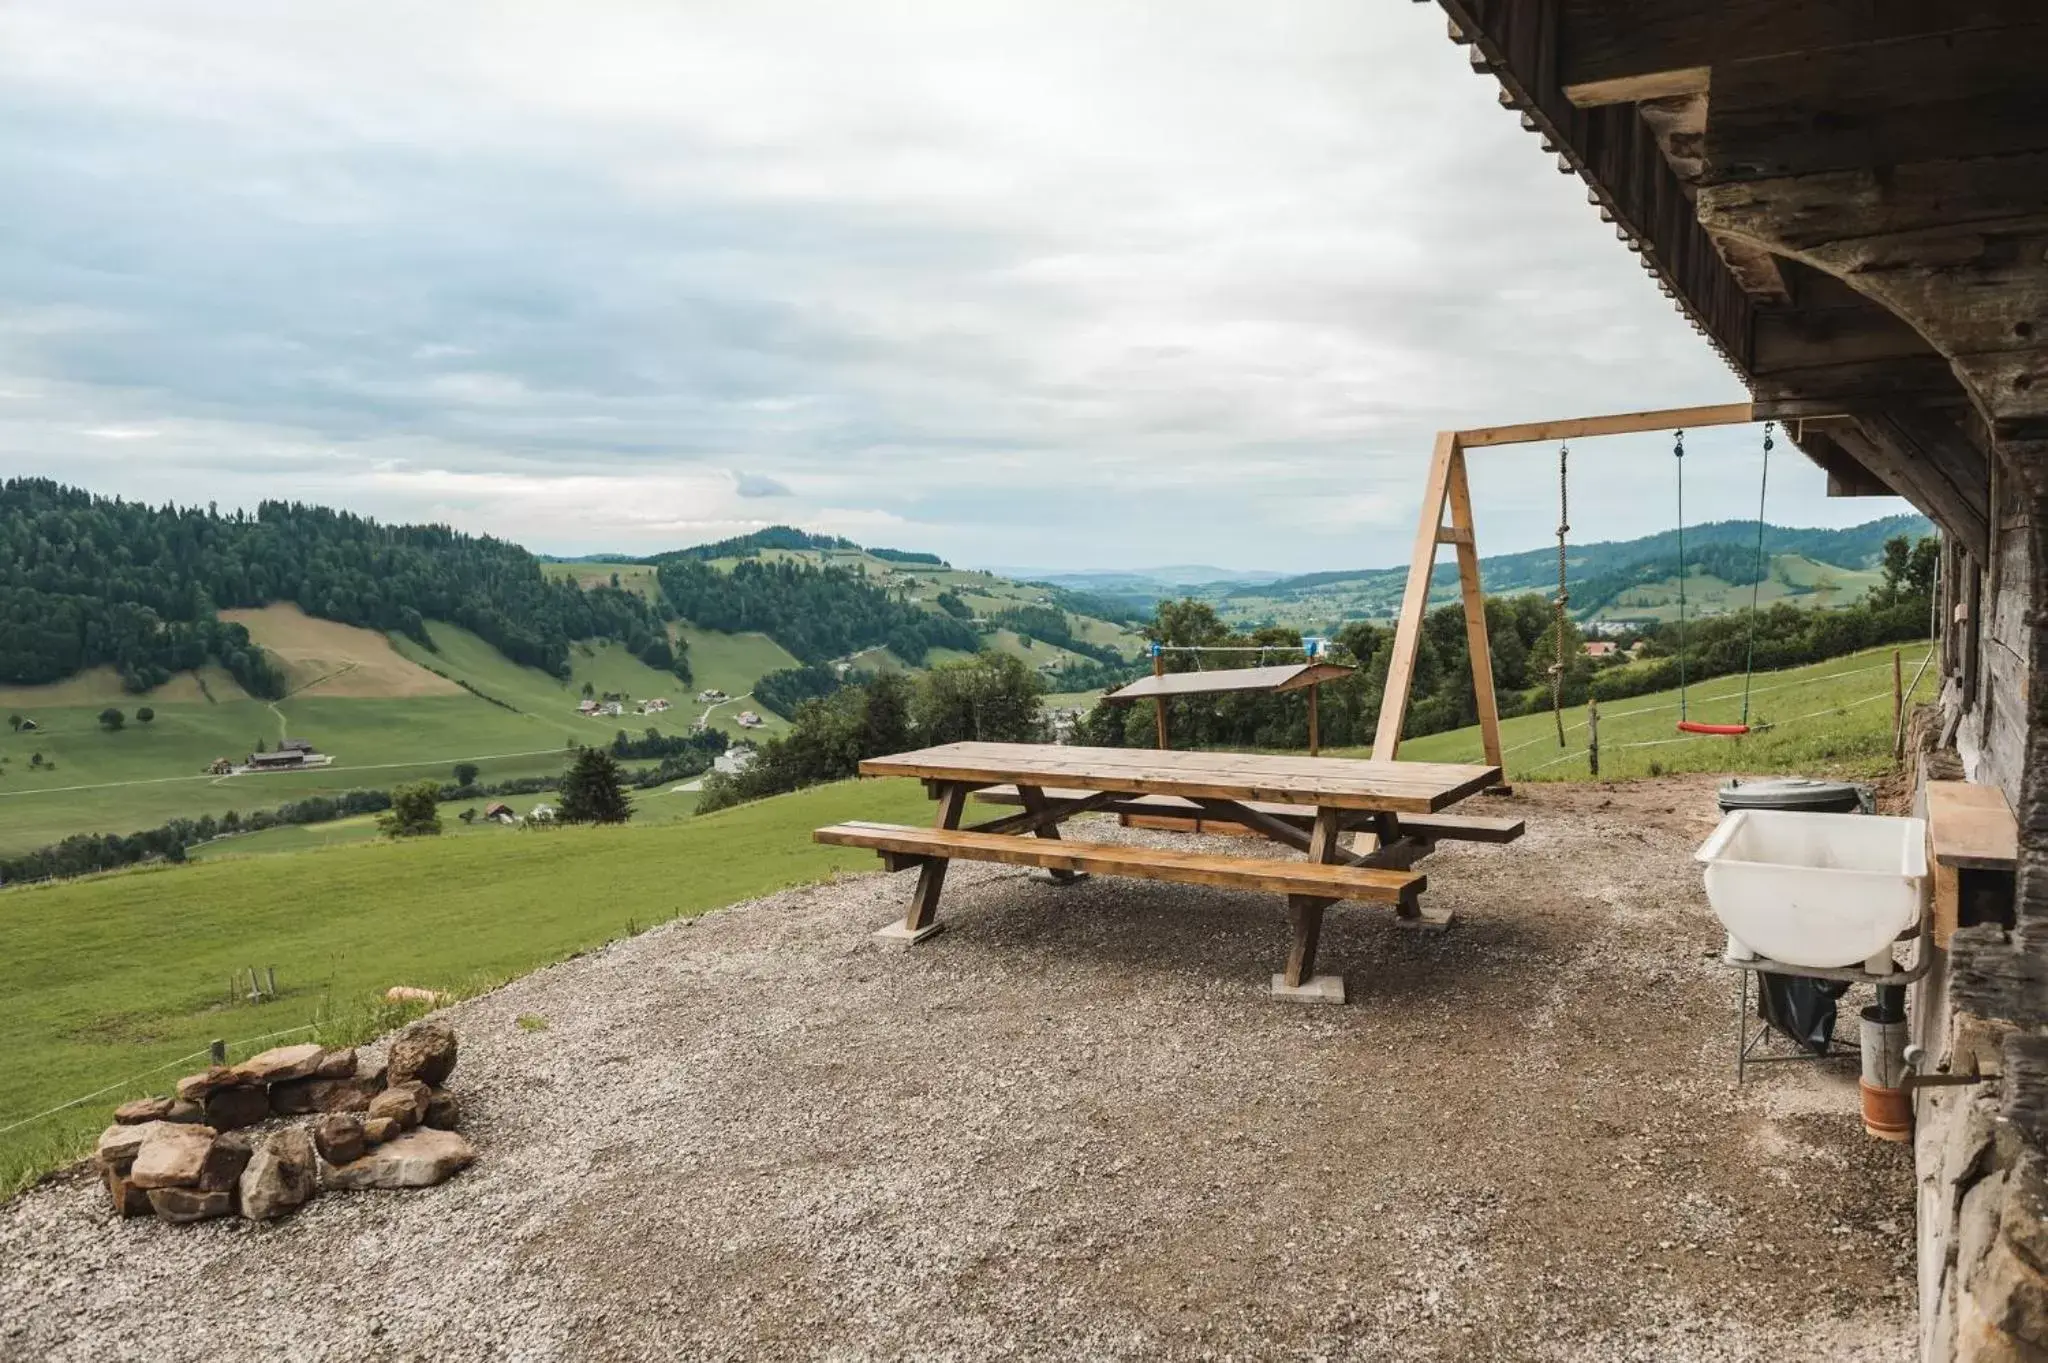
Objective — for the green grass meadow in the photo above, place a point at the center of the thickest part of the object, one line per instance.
(1827, 719)
(109, 976)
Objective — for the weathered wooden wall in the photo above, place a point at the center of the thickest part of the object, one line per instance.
(1849, 199)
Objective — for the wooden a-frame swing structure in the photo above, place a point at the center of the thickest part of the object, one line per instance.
(1448, 490)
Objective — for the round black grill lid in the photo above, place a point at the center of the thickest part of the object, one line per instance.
(1793, 792)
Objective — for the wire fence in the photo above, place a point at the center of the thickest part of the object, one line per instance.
(1694, 738)
(1609, 715)
(133, 1079)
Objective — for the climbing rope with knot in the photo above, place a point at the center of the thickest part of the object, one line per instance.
(1563, 597)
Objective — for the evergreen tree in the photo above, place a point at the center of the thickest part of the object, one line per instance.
(592, 789)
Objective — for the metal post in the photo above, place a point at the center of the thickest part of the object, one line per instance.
(1159, 701)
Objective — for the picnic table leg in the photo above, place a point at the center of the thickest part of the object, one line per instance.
(921, 920)
(1305, 912)
(1033, 799)
(1409, 913)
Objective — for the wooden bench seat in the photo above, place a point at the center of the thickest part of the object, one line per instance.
(1171, 812)
(903, 846)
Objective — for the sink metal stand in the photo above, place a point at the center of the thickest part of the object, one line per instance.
(1746, 1043)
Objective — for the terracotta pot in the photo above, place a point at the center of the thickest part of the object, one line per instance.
(1887, 1113)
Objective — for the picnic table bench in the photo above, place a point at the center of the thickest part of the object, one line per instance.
(1306, 804)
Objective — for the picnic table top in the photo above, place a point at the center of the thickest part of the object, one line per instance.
(1345, 783)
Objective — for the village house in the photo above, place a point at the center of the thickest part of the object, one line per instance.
(748, 719)
(1599, 648)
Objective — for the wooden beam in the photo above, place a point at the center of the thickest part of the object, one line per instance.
(1575, 428)
(1861, 330)
(1473, 597)
(1976, 93)
(1927, 459)
(1811, 210)
(1609, 50)
(1386, 743)
(1856, 386)
(1846, 476)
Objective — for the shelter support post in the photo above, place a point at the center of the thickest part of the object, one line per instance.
(1159, 702)
(1313, 744)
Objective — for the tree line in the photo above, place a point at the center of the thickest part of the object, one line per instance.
(1521, 636)
(992, 697)
(817, 613)
(88, 580)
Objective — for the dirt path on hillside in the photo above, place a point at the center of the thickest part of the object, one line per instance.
(1074, 1126)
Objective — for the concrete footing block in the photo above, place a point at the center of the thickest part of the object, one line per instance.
(1315, 989)
(1426, 920)
(897, 934)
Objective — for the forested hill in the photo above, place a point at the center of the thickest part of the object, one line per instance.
(817, 613)
(88, 580)
(1726, 549)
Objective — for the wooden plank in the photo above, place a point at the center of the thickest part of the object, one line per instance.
(1625, 423)
(1473, 595)
(1145, 863)
(1971, 826)
(1612, 50)
(1407, 643)
(1173, 813)
(1803, 211)
(1943, 97)
(1407, 787)
(1041, 811)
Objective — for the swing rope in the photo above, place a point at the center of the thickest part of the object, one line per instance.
(1690, 726)
(1763, 488)
(1678, 453)
(1563, 597)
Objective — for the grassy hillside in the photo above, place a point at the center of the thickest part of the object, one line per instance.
(101, 686)
(110, 976)
(96, 781)
(637, 578)
(1832, 718)
(328, 658)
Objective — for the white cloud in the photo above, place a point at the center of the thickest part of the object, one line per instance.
(1094, 283)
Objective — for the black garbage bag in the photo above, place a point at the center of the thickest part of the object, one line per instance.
(1800, 1007)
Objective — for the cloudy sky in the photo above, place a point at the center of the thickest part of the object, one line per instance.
(1084, 284)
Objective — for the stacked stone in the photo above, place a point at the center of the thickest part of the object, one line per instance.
(187, 1158)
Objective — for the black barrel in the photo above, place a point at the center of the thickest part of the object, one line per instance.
(1797, 792)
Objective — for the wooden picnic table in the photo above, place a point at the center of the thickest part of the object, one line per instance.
(1303, 803)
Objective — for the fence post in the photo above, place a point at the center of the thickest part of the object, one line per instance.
(217, 1052)
(1593, 736)
(1898, 709)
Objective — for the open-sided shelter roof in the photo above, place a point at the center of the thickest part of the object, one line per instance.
(1281, 677)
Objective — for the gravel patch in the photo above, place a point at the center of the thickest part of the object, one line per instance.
(1074, 1126)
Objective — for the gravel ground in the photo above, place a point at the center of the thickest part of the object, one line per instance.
(1074, 1126)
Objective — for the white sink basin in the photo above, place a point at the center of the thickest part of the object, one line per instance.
(1824, 890)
